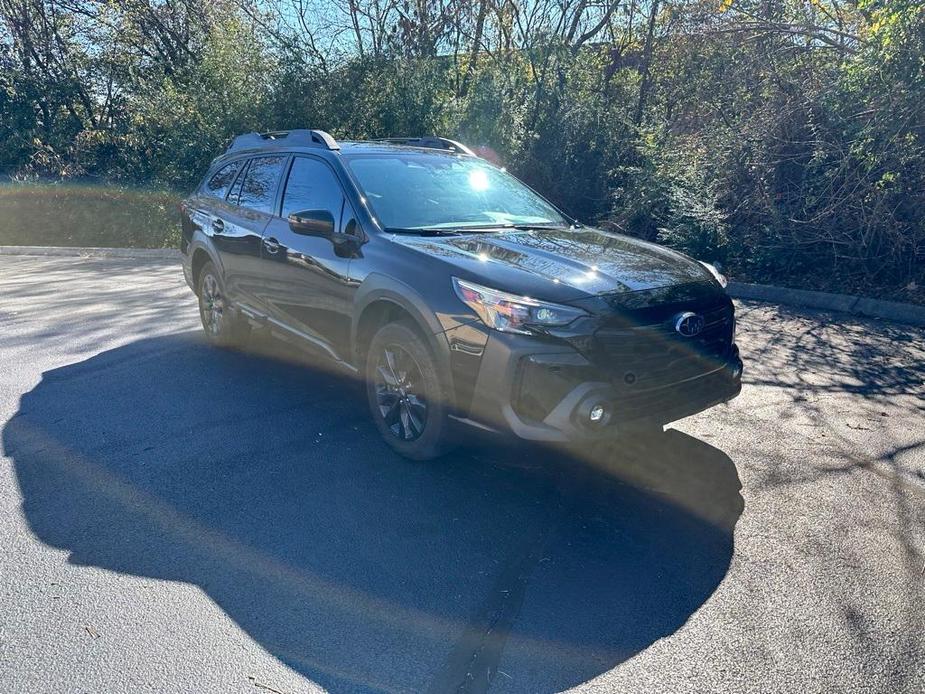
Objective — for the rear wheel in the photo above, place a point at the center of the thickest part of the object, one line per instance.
(222, 324)
(406, 396)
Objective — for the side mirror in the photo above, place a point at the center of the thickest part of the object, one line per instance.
(312, 223)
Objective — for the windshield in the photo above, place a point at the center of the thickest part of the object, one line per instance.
(433, 191)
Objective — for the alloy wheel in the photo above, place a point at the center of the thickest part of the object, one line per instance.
(398, 382)
(212, 305)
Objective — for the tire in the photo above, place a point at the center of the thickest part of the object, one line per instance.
(223, 326)
(407, 398)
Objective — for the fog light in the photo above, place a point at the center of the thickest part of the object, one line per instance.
(737, 371)
(597, 413)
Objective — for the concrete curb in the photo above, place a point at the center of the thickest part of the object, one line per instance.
(79, 252)
(910, 314)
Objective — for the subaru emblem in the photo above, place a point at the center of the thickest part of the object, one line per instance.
(688, 324)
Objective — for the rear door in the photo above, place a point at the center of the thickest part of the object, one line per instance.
(239, 223)
(305, 278)
(202, 209)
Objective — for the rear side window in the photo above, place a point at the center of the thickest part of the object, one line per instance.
(218, 185)
(258, 191)
(312, 186)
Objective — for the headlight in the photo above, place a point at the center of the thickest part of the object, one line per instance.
(510, 313)
(717, 275)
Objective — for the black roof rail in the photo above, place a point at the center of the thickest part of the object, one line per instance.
(430, 141)
(290, 138)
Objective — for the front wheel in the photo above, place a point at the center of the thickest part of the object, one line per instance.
(222, 325)
(406, 396)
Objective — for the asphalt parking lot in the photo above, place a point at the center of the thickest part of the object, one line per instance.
(175, 518)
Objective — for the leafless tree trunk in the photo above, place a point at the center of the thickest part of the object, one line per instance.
(645, 68)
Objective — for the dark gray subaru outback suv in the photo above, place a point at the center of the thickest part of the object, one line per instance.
(457, 293)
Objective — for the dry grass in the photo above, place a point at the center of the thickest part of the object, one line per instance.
(51, 214)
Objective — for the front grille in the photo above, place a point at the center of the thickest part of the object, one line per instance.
(678, 400)
(643, 357)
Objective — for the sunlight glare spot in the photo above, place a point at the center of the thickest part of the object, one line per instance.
(478, 180)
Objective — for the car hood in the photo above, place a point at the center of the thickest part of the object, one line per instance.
(560, 264)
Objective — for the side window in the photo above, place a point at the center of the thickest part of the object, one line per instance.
(258, 191)
(218, 185)
(348, 221)
(312, 186)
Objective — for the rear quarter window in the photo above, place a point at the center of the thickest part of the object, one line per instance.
(218, 185)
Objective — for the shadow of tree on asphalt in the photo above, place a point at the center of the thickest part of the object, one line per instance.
(826, 353)
(840, 380)
(265, 484)
(60, 286)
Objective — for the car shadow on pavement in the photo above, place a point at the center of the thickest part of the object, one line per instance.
(264, 483)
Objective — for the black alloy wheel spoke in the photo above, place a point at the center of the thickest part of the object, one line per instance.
(212, 305)
(398, 376)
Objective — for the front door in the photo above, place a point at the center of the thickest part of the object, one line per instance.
(304, 281)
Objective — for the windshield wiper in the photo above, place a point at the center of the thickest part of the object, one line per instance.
(425, 231)
(461, 229)
(473, 228)
(539, 227)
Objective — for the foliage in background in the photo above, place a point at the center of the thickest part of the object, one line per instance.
(781, 137)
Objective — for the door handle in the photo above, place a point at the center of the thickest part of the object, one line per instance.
(272, 245)
(218, 226)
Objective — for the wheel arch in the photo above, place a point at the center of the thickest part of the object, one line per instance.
(199, 253)
(383, 300)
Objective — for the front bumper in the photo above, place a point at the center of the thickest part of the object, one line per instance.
(547, 391)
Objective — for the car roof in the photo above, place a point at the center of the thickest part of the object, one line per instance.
(377, 147)
(348, 148)
(303, 140)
